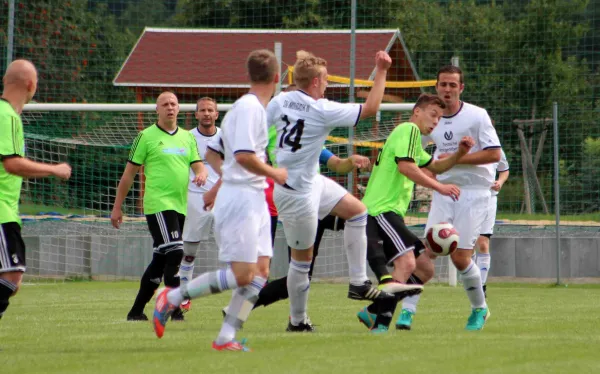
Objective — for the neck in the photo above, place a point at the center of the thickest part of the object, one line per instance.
(264, 92)
(208, 131)
(16, 100)
(167, 126)
(312, 93)
(452, 109)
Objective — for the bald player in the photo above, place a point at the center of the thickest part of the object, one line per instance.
(20, 84)
(167, 154)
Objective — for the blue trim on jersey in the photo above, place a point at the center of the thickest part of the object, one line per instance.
(325, 156)
(358, 117)
(492, 147)
(462, 103)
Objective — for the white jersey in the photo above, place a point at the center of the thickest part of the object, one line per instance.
(473, 121)
(243, 130)
(202, 142)
(499, 167)
(303, 124)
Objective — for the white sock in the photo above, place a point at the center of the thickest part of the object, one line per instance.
(239, 309)
(471, 278)
(483, 263)
(298, 286)
(410, 303)
(186, 269)
(203, 285)
(355, 241)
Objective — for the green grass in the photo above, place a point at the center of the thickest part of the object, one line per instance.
(80, 327)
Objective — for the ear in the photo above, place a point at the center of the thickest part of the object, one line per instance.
(277, 78)
(462, 87)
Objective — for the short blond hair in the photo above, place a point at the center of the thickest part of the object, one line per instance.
(307, 67)
(262, 66)
(206, 98)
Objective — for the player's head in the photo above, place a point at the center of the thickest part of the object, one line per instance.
(206, 112)
(427, 112)
(450, 84)
(21, 77)
(263, 67)
(310, 74)
(167, 108)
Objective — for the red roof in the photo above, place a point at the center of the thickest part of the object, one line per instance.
(215, 58)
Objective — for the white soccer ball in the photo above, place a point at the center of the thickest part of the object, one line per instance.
(442, 239)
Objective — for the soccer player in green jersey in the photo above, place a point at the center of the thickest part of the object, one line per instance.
(20, 84)
(167, 152)
(388, 195)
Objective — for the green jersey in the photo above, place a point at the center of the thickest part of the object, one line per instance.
(166, 159)
(389, 190)
(271, 146)
(12, 143)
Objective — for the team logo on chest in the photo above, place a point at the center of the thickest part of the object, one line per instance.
(448, 135)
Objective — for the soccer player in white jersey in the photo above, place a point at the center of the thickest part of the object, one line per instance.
(199, 222)
(303, 119)
(242, 222)
(484, 258)
(473, 174)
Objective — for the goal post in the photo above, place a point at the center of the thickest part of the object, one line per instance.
(66, 223)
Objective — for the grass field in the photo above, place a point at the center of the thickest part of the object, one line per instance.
(80, 327)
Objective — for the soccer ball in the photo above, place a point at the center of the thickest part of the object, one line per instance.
(442, 239)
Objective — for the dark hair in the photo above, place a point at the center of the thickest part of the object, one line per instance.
(262, 66)
(206, 98)
(428, 99)
(451, 69)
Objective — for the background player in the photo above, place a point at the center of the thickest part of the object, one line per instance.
(303, 120)
(389, 192)
(167, 152)
(241, 214)
(20, 84)
(483, 255)
(474, 174)
(199, 222)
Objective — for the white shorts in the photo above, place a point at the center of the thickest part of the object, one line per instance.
(300, 212)
(198, 222)
(487, 227)
(242, 224)
(467, 214)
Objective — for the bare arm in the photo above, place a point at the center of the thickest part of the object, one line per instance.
(443, 165)
(371, 106)
(253, 164)
(502, 177)
(201, 173)
(346, 165)
(214, 160)
(486, 156)
(123, 188)
(27, 168)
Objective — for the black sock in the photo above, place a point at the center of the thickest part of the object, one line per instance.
(385, 312)
(149, 284)
(272, 292)
(6, 290)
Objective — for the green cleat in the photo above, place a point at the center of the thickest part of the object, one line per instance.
(477, 319)
(366, 318)
(405, 320)
(380, 329)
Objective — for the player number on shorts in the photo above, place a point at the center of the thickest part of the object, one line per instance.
(292, 138)
(175, 234)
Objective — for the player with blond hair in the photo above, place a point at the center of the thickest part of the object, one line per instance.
(303, 119)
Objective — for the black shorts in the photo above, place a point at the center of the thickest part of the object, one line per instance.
(166, 228)
(397, 239)
(12, 248)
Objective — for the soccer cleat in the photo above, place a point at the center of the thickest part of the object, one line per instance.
(366, 291)
(137, 317)
(233, 345)
(397, 287)
(405, 320)
(380, 329)
(366, 318)
(162, 312)
(485, 290)
(477, 319)
(185, 306)
(305, 326)
(177, 315)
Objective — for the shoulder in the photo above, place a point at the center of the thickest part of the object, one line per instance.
(8, 114)
(474, 110)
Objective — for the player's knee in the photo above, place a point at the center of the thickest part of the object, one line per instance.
(359, 219)
(425, 269)
(244, 279)
(461, 259)
(303, 254)
(406, 263)
(483, 244)
(14, 279)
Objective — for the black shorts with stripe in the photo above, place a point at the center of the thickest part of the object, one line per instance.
(388, 232)
(166, 228)
(12, 248)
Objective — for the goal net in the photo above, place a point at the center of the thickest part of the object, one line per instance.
(66, 224)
